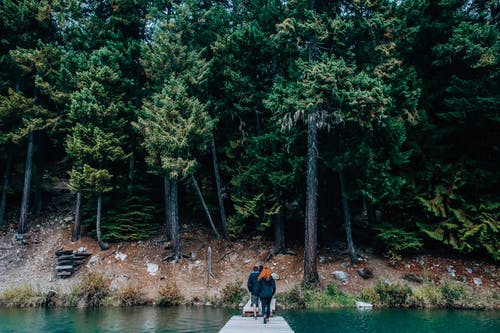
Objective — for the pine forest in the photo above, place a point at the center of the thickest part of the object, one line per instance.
(306, 122)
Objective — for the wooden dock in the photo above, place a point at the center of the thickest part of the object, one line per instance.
(239, 324)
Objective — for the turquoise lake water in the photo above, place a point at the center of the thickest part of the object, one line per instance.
(205, 319)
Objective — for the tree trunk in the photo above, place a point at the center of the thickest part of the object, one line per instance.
(103, 246)
(200, 195)
(174, 220)
(371, 213)
(347, 219)
(131, 173)
(37, 191)
(78, 217)
(5, 187)
(311, 277)
(219, 190)
(258, 119)
(27, 185)
(37, 177)
(167, 193)
(279, 225)
(279, 232)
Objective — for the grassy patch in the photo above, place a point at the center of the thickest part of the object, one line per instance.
(387, 294)
(293, 299)
(131, 295)
(232, 293)
(428, 296)
(169, 295)
(92, 290)
(330, 297)
(23, 297)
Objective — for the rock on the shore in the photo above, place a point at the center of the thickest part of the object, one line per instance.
(363, 305)
(152, 268)
(341, 276)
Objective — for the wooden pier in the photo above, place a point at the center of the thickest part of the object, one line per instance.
(239, 324)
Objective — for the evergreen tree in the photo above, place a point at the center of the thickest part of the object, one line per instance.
(456, 176)
(174, 122)
(36, 90)
(96, 140)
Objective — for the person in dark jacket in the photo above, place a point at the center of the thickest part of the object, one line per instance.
(267, 289)
(253, 288)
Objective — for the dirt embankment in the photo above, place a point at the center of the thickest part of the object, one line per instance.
(31, 260)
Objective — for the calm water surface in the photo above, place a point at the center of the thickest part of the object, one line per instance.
(204, 319)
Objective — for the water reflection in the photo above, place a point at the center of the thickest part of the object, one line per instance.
(205, 319)
(394, 321)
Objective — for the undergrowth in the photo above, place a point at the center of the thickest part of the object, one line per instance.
(330, 297)
(169, 295)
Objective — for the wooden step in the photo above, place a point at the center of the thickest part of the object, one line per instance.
(63, 252)
(64, 268)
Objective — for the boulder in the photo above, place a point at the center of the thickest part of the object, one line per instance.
(94, 260)
(120, 255)
(341, 276)
(363, 305)
(275, 276)
(413, 278)
(365, 273)
(152, 268)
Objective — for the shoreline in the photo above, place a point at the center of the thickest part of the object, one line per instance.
(419, 281)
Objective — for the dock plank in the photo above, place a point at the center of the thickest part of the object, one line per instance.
(239, 324)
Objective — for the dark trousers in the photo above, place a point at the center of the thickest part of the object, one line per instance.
(266, 306)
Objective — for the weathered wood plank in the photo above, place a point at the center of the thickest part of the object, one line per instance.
(64, 268)
(66, 256)
(65, 261)
(63, 252)
(239, 324)
(82, 255)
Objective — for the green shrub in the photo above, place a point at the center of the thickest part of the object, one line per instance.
(331, 297)
(294, 298)
(454, 293)
(427, 296)
(370, 295)
(131, 295)
(392, 294)
(23, 296)
(398, 240)
(232, 293)
(168, 295)
(339, 297)
(92, 290)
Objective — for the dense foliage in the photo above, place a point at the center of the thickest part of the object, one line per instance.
(376, 120)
